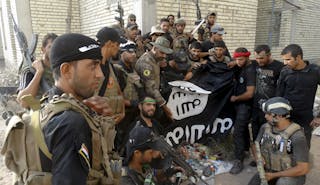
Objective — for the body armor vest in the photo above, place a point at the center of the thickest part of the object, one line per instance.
(132, 81)
(180, 41)
(275, 147)
(22, 146)
(113, 93)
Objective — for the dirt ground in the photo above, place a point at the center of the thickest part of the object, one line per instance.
(243, 178)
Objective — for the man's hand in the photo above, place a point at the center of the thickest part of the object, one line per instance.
(168, 112)
(38, 65)
(99, 104)
(315, 122)
(231, 64)
(269, 176)
(233, 98)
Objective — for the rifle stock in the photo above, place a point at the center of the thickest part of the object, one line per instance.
(178, 159)
(260, 165)
(28, 53)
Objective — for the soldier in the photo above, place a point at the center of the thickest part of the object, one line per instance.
(154, 34)
(148, 69)
(29, 82)
(219, 50)
(176, 69)
(132, 90)
(110, 40)
(73, 141)
(165, 25)
(268, 71)
(181, 39)
(171, 23)
(283, 146)
(298, 82)
(142, 149)
(204, 33)
(147, 107)
(243, 93)
(216, 35)
(132, 20)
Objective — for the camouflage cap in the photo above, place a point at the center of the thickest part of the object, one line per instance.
(180, 21)
(131, 16)
(163, 45)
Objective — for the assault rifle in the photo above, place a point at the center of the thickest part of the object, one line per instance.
(177, 159)
(120, 18)
(179, 10)
(28, 51)
(199, 19)
(260, 164)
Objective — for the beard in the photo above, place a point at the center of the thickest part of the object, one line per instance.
(149, 114)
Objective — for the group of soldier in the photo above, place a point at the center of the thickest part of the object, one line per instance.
(117, 86)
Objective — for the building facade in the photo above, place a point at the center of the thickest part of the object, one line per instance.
(247, 23)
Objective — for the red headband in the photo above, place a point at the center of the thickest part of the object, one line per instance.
(241, 54)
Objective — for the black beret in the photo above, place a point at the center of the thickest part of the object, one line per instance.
(72, 47)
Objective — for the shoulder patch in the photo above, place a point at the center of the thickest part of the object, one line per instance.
(84, 153)
(146, 72)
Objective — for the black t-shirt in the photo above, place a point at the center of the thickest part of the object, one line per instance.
(266, 81)
(68, 137)
(299, 87)
(156, 127)
(244, 77)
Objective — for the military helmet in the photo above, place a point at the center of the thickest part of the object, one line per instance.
(277, 105)
(180, 21)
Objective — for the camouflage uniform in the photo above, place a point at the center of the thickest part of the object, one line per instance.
(149, 70)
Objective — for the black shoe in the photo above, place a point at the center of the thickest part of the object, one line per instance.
(237, 167)
(253, 164)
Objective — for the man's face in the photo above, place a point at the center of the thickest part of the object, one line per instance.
(217, 37)
(171, 20)
(180, 28)
(132, 20)
(148, 109)
(219, 51)
(129, 56)
(211, 19)
(132, 33)
(290, 61)
(110, 47)
(85, 78)
(241, 61)
(195, 53)
(159, 54)
(165, 26)
(146, 156)
(46, 50)
(262, 58)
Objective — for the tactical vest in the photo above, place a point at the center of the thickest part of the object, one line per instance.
(24, 138)
(130, 91)
(113, 93)
(180, 41)
(274, 148)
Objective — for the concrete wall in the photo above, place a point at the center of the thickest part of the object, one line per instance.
(237, 17)
(52, 16)
(300, 26)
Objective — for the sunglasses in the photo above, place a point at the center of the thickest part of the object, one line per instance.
(132, 19)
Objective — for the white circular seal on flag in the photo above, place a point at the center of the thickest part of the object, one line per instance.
(241, 80)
